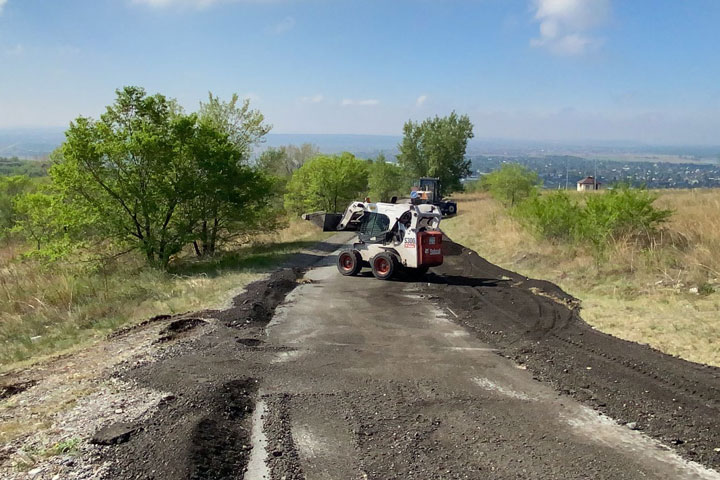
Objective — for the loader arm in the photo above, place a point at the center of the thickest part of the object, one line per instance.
(352, 216)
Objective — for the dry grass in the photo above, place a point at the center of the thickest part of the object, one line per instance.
(45, 309)
(641, 295)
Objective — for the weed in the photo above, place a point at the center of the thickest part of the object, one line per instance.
(706, 289)
(65, 447)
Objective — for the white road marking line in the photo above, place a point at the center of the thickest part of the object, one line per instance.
(257, 469)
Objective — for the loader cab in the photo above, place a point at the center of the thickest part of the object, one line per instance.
(373, 224)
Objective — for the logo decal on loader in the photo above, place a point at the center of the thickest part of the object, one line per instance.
(409, 242)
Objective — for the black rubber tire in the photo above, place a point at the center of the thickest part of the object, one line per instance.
(451, 210)
(349, 262)
(384, 265)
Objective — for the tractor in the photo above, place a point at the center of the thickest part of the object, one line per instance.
(429, 191)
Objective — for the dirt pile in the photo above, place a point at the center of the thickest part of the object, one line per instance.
(538, 325)
(203, 430)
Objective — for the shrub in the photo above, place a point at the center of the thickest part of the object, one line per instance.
(617, 215)
(553, 216)
(621, 214)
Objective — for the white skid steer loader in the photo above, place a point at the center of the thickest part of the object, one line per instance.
(390, 237)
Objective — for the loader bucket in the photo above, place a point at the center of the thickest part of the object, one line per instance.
(327, 221)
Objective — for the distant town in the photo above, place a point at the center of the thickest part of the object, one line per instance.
(26, 152)
(564, 171)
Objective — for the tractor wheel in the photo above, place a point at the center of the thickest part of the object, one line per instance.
(384, 265)
(349, 262)
(451, 209)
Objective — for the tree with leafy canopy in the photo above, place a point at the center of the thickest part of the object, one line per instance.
(11, 188)
(232, 198)
(244, 126)
(436, 148)
(327, 182)
(229, 197)
(511, 183)
(281, 162)
(148, 176)
(386, 180)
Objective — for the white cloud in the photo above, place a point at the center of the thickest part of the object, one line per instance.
(421, 100)
(565, 25)
(363, 103)
(284, 25)
(2, 4)
(313, 99)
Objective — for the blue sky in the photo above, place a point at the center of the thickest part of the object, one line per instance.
(558, 70)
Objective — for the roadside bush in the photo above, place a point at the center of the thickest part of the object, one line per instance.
(554, 216)
(623, 214)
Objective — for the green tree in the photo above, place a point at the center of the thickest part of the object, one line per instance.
(10, 189)
(436, 148)
(55, 226)
(229, 198)
(131, 170)
(281, 162)
(511, 183)
(386, 180)
(327, 183)
(148, 176)
(244, 126)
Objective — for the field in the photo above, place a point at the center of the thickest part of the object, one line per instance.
(665, 295)
(49, 309)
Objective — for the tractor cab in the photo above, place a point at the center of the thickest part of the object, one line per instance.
(428, 191)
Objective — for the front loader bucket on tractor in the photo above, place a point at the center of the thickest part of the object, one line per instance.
(327, 221)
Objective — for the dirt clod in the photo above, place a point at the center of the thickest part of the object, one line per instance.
(114, 434)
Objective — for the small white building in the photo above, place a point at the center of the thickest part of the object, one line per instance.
(588, 183)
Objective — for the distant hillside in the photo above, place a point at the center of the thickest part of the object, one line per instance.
(366, 146)
(39, 142)
(17, 166)
(30, 142)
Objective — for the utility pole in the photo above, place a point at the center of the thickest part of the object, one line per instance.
(567, 172)
(595, 176)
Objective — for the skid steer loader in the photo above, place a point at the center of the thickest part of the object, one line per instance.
(391, 238)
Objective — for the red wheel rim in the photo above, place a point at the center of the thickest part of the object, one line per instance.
(346, 261)
(382, 266)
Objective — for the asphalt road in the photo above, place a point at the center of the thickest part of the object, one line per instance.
(373, 379)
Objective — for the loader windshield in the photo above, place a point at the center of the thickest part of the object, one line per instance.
(374, 223)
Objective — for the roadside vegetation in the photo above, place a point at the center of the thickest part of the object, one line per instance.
(150, 210)
(643, 262)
